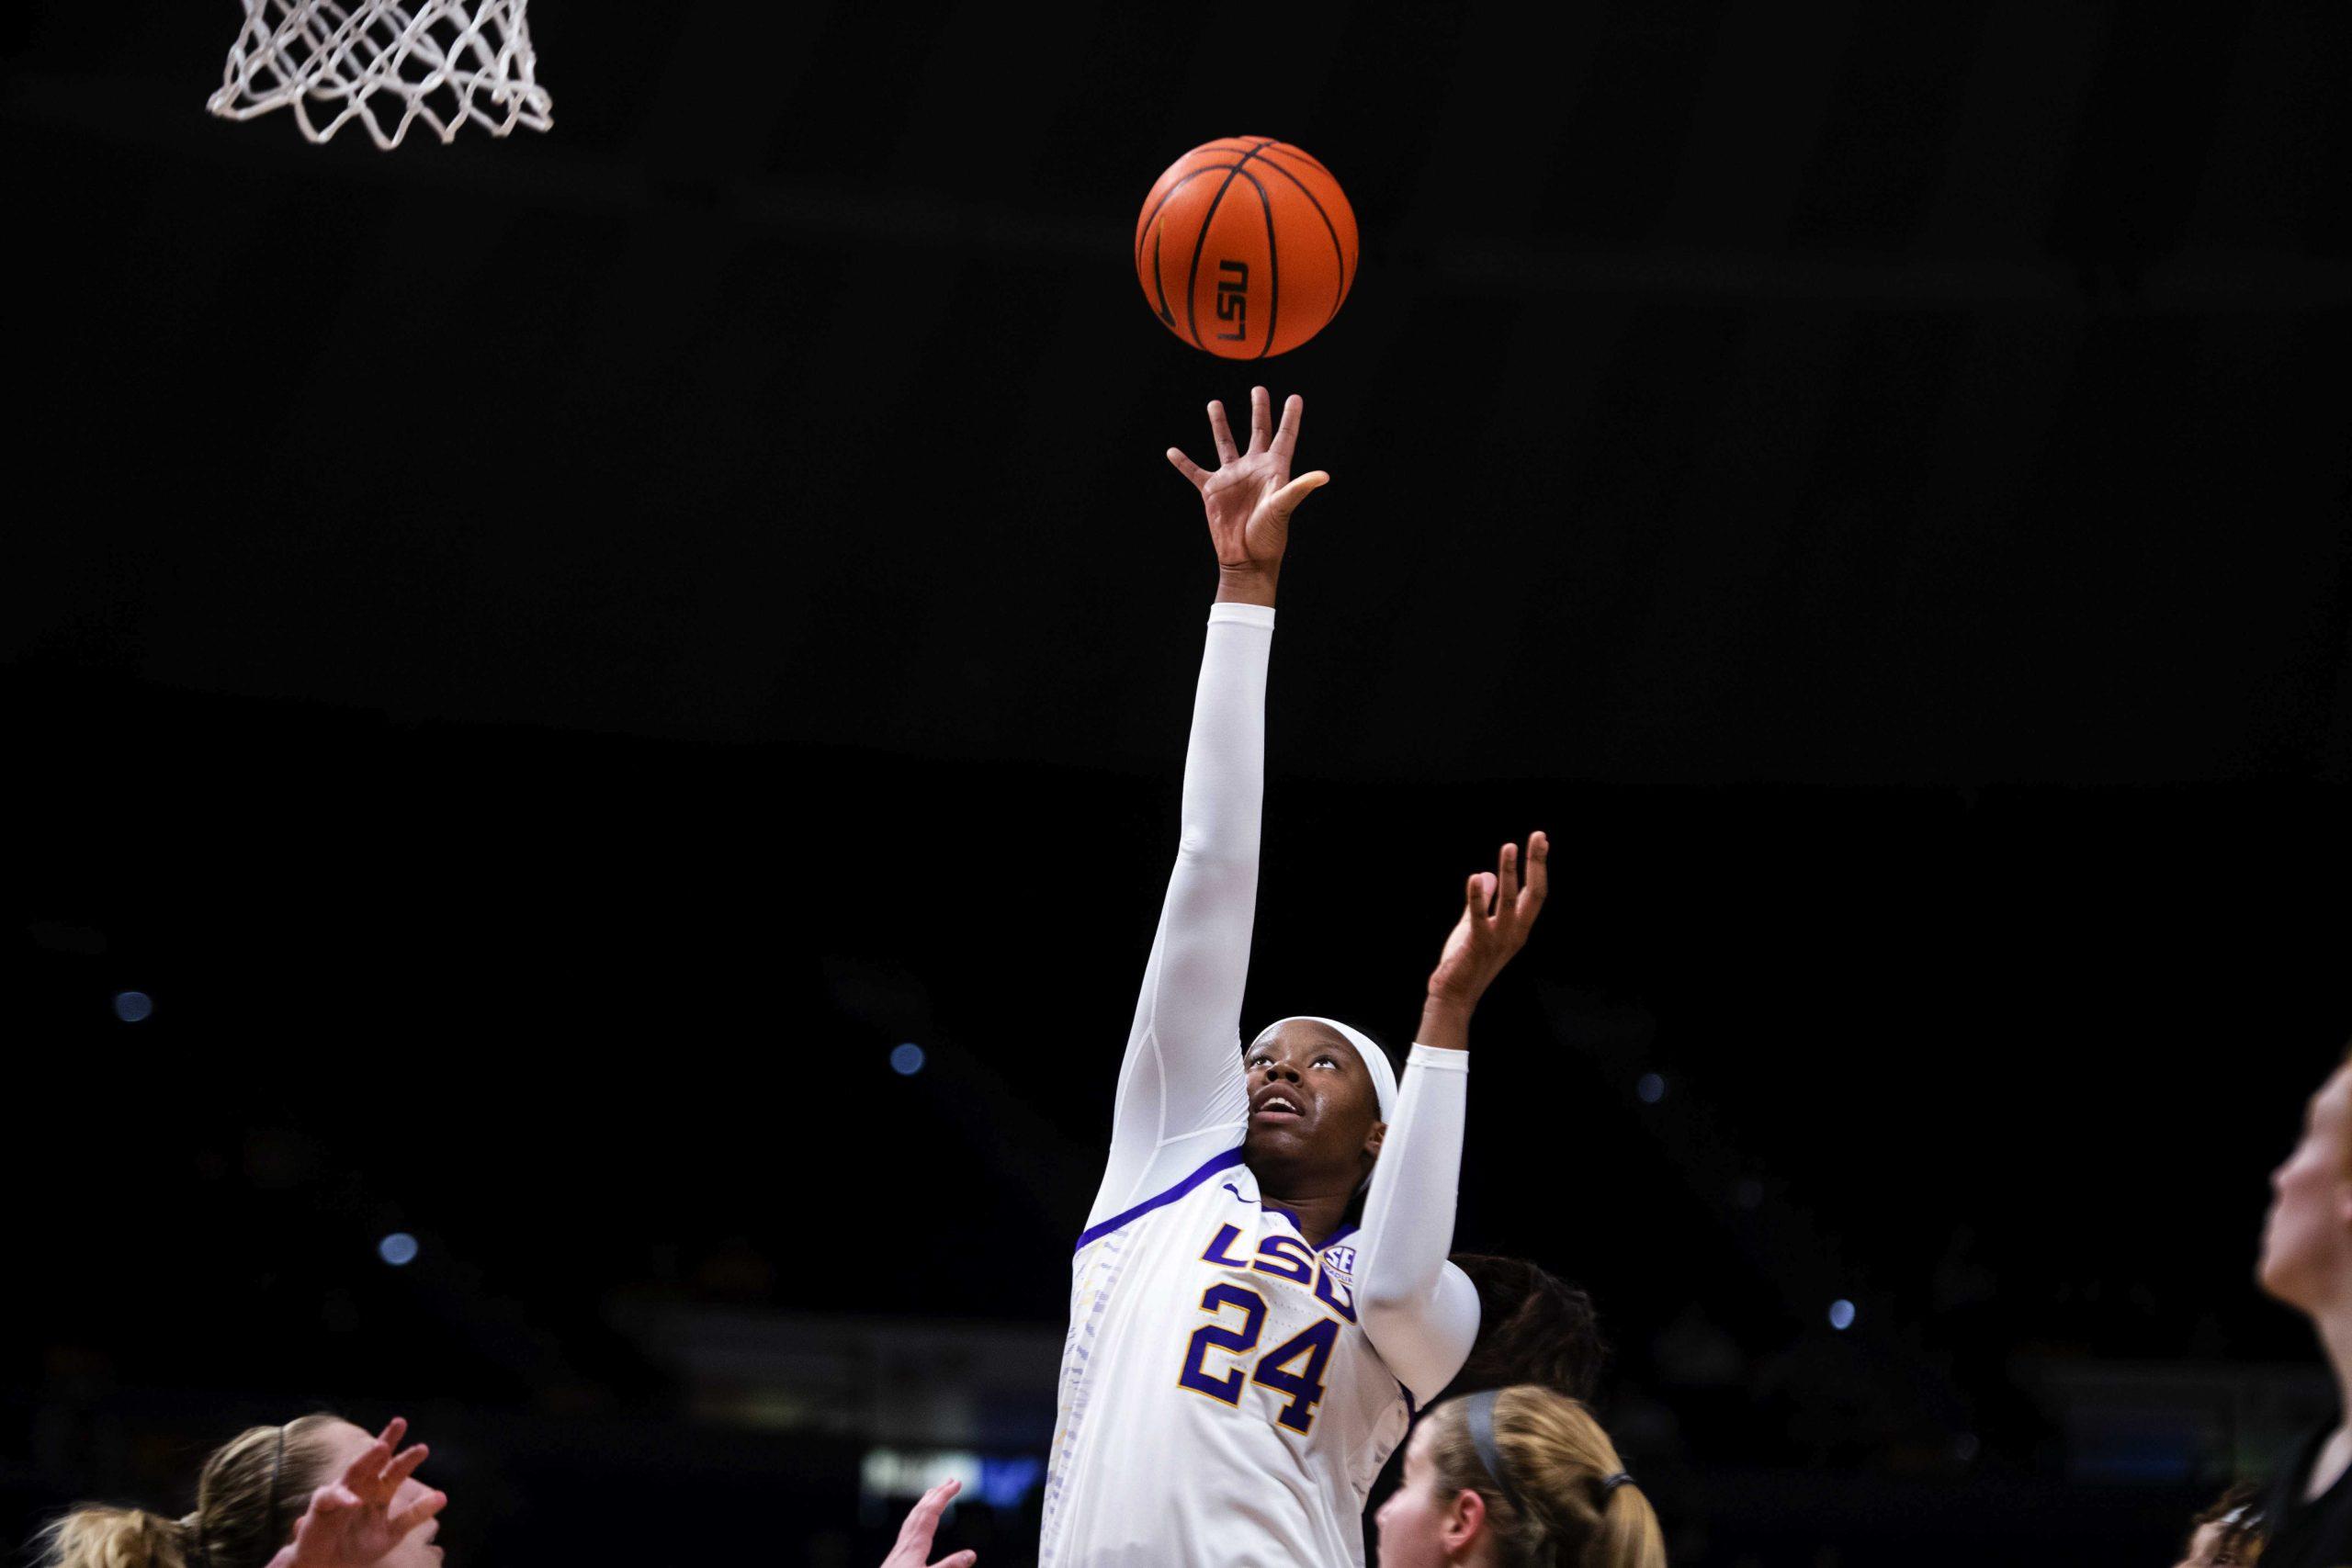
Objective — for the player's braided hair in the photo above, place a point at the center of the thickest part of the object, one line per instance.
(1556, 1506)
(1533, 1327)
(251, 1493)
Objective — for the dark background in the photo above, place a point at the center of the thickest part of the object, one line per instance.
(545, 658)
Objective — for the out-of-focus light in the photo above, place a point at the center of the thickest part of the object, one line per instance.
(907, 1060)
(1007, 1483)
(1841, 1315)
(132, 1006)
(398, 1248)
(1652, 1088)
(1748, 1192)
(889, 1474)
(1964, 1447)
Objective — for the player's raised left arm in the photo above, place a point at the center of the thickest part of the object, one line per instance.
(1420, 1311)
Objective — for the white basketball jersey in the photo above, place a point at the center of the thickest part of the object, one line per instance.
(1219, 1406)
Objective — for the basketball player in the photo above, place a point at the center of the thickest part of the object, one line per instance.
(1241, 1358)
(315, 1492)
(319, 1493)
(1533, 1327)
(1521, 1477)
(2306, 1515)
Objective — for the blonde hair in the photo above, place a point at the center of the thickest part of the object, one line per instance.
(250, 1493)
(1558, 1458)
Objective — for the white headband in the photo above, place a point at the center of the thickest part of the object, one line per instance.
(1376, 1060)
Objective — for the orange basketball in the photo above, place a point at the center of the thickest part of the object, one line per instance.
(1246, 247)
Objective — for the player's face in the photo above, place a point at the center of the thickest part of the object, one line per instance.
(1310, 1097)
(347, 1442)
(1419, 1528)
(2307, 1242)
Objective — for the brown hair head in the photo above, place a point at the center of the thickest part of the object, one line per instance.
(2236, 1519)
(250, 1493)
(1558, 1463)
(1533, 1327)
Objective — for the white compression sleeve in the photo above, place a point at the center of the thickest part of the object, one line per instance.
(1181, 1086)
(1420, 1312)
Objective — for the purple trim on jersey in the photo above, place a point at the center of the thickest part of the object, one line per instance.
(1225, 1161)
(1337, 1237)
(1287, 1214)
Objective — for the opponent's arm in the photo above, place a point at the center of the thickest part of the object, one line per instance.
(913, 1550)
(1420, 1311)
(1182, 1080)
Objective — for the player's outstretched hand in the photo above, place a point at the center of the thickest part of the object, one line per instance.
(913, 1550)
(352, 1522)
(1251, 496)
(1495, 916)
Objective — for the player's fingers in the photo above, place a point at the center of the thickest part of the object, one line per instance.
(394, 1430)
(404, 1465)
(366, 1465)
(1189, 469)
(1531, 897)
(1261, 419)
(1286, 437)
(417, 1513)
(1221, 434)
(1284, 501)
(922, 1519)
(961, 1560)
(1507, 879)
(1479, 894)
(335, 1498)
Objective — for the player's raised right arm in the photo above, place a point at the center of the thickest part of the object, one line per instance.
(1180, 1084)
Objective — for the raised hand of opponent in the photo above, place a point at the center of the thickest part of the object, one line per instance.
(913, 1550)
(352, 1522)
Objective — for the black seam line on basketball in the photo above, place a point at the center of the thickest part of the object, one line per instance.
(1193, 279)
(1276, 150)
(1273, 263)
(1164, 196)
(1347, 275)
(1158, 279)
(1329, 228)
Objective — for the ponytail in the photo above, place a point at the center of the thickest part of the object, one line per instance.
(95, 1536)
(1556, 1494)
(254, 1489)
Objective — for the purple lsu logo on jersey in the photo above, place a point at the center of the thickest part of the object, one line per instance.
(1331, 1274)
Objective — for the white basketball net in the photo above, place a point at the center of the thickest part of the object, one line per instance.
(388, 63)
